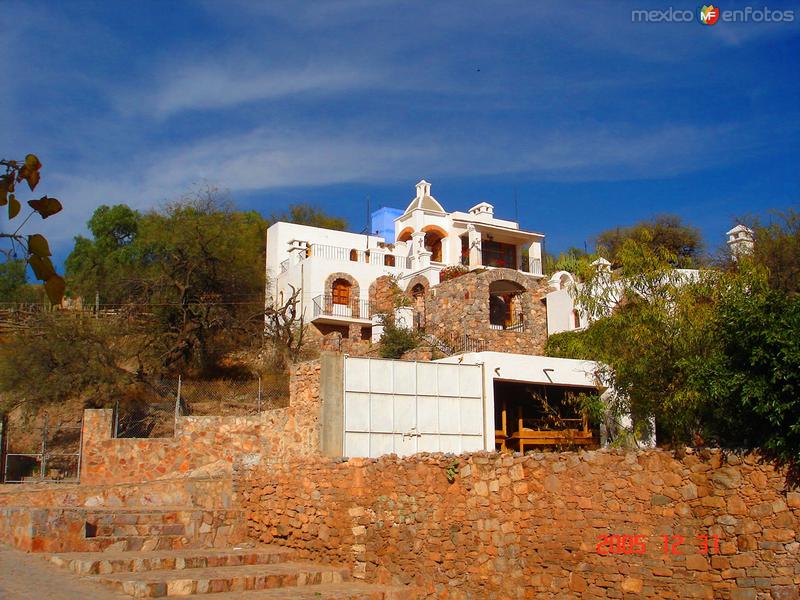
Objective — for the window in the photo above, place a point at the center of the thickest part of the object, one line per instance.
(388, 260)
(576, 320)
(354, 255)
(341, 291)
(496, 254)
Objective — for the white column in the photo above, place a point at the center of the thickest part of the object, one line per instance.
(475, 259)
(535, 257)
(417, 248)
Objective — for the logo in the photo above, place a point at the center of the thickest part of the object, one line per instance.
(709, 14)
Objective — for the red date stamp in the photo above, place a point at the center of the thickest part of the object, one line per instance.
(614, 544)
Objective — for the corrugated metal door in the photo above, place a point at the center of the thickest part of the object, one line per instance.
(403, 407)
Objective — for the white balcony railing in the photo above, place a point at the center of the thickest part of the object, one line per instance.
(373, 256)
(532, 266)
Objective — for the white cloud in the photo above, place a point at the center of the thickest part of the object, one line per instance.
(227, 84)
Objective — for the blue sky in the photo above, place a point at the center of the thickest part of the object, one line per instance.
(589, 119)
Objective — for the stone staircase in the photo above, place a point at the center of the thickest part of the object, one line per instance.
(165, 552)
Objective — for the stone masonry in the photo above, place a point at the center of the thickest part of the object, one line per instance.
(487, 525)
(461, 305)
(200, 441)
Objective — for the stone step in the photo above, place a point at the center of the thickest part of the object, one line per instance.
(93, 563)
(119, 530)
(158, 584)
(136, 543)
(326, 591)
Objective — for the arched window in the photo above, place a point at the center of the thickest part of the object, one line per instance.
(341, 291)
(433, 241)
(405, 235)
(354, 255)
(418, 290)
(505, 312)
(576, 320)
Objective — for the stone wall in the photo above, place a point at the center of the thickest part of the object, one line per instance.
(533, 526)
(383, 293)
(461, 305)
(202, 441)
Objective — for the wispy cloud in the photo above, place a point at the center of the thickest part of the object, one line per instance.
(216, 85)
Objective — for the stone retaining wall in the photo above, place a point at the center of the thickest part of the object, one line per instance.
(537, 526)
(214, 492)
(202, 441)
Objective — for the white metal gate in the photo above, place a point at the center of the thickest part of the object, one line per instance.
(403, 407)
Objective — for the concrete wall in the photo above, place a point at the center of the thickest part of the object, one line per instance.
(535, 526)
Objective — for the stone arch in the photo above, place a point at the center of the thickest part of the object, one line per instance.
(507, 296)
(355, 290)
(418, 280)
(417, 291)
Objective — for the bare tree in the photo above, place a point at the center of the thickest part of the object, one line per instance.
(284, 325)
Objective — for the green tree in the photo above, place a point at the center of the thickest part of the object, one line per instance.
(714, 358)
(12, 280)
(668, 232)
(777, 247)
(306, 214)
(749, 380)
(102, 264)
(647, 322)
(574, 260)
(201, 267)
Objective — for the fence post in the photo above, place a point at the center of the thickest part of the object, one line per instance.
(3, 448)
(259, 394)
(44, 447)
(178, 403)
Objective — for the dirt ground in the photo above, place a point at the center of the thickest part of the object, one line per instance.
(30, 577)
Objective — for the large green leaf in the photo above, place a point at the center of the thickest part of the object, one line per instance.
(37, 244)
(45, 206)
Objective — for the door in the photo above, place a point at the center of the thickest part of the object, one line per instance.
(404, 407)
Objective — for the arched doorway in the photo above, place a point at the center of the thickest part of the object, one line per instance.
(433, 241)
(341, 297)
(418, 304)
(505, 308)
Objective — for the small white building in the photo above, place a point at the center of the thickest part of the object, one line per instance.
(335, 269)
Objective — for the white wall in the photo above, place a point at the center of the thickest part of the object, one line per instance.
(560, 306)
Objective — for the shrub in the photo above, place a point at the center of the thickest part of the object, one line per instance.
(452, 272)
(396, 341)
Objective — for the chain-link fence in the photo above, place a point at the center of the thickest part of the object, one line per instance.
(48, 451)
(226, 397)
(149, 410)
(153, 409)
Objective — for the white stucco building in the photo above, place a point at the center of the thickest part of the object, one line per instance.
(334, 269)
